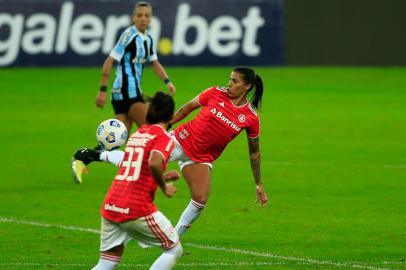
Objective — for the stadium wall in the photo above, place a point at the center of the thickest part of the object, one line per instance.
(345, 32)
(194, 32)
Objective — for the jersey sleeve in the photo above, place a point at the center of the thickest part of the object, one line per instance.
(164, 146)
(205, 96)
(119, 49)
(153, 55)
(253, 128)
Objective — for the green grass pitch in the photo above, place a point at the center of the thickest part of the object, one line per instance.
(333, 145)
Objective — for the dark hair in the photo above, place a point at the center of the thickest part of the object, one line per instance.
(249, 77)
(161, 108)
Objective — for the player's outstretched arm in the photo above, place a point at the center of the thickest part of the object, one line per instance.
(155, 163)
(161, 73)
(185, 110)
(255, 160)
(101, 95)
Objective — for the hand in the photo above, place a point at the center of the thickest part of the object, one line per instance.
(262, 198)
(170, 190)
(87, 155)
(171, 88)
(101, 99)
(171, 175)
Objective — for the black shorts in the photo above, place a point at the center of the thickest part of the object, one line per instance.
(123, 106)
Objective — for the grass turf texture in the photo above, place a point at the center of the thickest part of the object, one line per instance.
(333, 144)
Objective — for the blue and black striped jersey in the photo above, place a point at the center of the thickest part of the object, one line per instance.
(132, 51)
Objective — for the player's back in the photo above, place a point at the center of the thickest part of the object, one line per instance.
(131, 194)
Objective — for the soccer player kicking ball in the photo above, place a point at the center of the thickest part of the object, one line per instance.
(225, 113)
(128, 211)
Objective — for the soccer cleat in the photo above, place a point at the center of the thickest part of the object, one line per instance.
(78, 168)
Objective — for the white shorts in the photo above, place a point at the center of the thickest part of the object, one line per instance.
(180, 155)
(151, 230)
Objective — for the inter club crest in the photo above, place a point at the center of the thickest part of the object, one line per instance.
(241, 118)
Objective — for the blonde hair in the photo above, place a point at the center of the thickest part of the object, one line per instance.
(142, 4)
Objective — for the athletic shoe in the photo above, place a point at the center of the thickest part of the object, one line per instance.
(78, 168)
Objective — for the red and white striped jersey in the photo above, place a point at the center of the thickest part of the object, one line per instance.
(204, 138)
(131, 194)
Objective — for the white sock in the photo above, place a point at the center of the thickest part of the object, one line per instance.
(115, 156)
(168, 258)
(189, 215)
(107, 262)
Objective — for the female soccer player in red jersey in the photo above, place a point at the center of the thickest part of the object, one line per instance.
(225, 113)
(128, 211)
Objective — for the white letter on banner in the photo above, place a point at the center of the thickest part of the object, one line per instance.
(65, 19)
(182, 24)
(113, 25)
(228, 30)
(252, 22)
(86, 34)
(41, 39)
(9, 48)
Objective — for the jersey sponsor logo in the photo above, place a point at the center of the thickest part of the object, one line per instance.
(224, 119)
(125, 37)
(241, 118)
(221, 104)
(140, 139)
(139, 60)
(116, 209)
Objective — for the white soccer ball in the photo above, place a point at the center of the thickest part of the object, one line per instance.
(111, 134)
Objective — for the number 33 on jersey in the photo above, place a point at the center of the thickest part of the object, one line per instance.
(131, 193)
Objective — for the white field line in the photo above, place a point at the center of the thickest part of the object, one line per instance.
(288, 258)
(315, 164)
(206, 247)
(132, 265)
(325, 164)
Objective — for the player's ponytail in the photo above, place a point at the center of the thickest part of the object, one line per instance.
(256, 98)
(249, 77)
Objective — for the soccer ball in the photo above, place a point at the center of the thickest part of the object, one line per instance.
(111, 134)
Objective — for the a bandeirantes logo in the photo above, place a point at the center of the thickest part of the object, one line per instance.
(230, 123)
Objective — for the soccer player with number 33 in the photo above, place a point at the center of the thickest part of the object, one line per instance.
(128, 211)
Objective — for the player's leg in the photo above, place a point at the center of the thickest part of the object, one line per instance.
(168, 258)
(138, 113)
(112, 243)
(79, 167)
(156, 230)
(110, 259)
(123, 117)
(197, 176)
